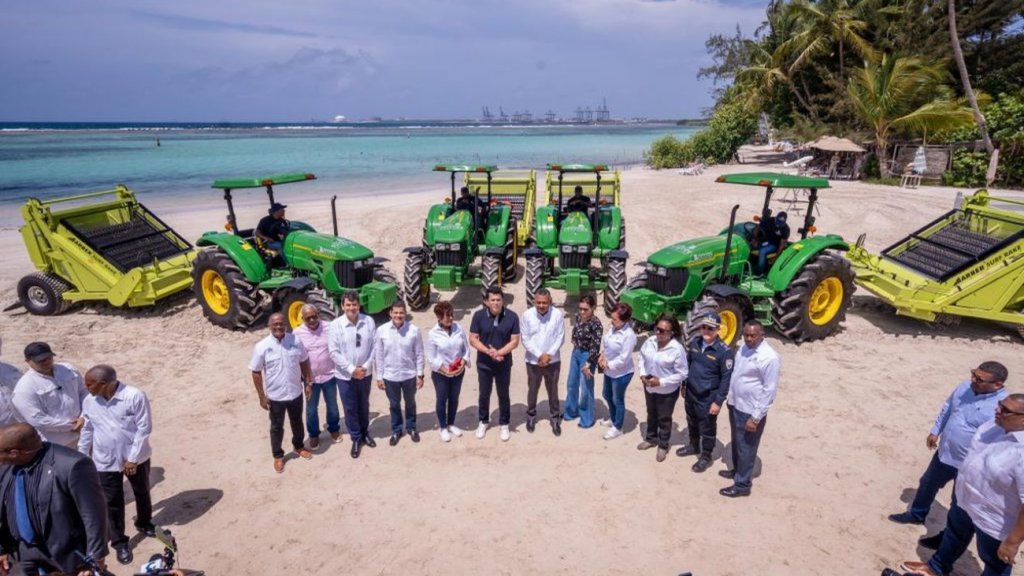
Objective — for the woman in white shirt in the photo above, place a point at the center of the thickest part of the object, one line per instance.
(663, 369)
(616, 360)
(447, 352)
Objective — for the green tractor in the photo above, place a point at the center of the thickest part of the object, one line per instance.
(455, 233)
(805, 293)
(566, 242)
(236, 278)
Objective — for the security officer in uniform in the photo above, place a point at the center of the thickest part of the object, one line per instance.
(707, 385)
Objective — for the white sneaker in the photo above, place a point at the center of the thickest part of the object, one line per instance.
(481, 430)
(445, 435)
(605, 422)
(505, 434)
(456, 431)
(612, 433)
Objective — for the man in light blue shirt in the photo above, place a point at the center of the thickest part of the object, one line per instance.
(971, 404)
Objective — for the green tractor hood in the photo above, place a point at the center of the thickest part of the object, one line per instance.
(699, 251)
(455, 227)
(576, 230)
(305, 248)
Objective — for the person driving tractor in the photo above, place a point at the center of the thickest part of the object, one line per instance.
(579, 202)
(273, 227)
(774, 232)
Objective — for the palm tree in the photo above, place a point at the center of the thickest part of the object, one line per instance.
(903, 94)
(958, 54)
(824, 24)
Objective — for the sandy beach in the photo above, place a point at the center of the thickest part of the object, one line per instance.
(843, 448)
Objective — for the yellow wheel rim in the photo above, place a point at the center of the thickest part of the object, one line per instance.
(729, 327)
(295, 314)
(825, 301)
(215, 292)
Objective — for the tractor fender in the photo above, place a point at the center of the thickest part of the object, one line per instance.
(727, 291)
(609, 226)
(796, 255)
(380, 260)
(533, 251)
(546, 230)
(435, 217)
(300, 283)
(297, 225)
(497, 225)
(499, 252)
(413, 250)
(617, 255)
(241, 251)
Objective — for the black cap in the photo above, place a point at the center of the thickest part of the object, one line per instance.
(276, 206)
(38, 351)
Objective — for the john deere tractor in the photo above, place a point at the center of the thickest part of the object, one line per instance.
(455, 234)
(567, 243)
(805, 293)
(236, 278)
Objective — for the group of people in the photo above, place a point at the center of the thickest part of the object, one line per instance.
(343, 358)
(67, 443)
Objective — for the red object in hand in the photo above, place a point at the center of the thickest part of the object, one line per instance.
(454, 366)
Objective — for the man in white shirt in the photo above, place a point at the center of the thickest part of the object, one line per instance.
(313, 335)
(116, 436)
(49, 396)
(755, 377)
(543, 329)
(350, 340)
(281, 375)
(398, 356)
(989, 492)
(9, 376)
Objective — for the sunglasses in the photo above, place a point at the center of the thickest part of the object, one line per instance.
(661, 330)
(1004, 410)
(976, 378)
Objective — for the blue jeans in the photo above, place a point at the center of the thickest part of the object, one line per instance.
(355, 398)
(330, 394)
(955, 540)
(934, 478)
(615, 396)
(447, 388)
(395, 391)
(579, 396)
(762, 256)
(744, 447)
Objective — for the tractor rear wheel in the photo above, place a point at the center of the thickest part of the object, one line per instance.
(43, 294)
(415, 288)
(616, 268)
(292, 301)
(534, 277)
(511, 254)
(490, 272)
(226, 297)
(816, 301)
(635, 283)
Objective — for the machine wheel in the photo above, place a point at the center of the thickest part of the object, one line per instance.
(691, 327)
(531, 239)
(43, 294)
(616, 268)
(636, 282)
(622, 234)
(382, 274)
(415, 289)
(227, 298)
(292, 301)
(490, 272)
(511, 254)
(534, 277)
(816, 301)
(731, 311)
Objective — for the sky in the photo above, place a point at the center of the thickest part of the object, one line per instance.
(302, 60)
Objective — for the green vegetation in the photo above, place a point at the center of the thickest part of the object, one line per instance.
(730, 126)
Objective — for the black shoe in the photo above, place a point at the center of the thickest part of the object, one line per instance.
(531, 424)
(415, 436)
(124, 554)
(734, 492)
(149, 530)
(556, 427)
(905, 518)
(730, 474)
(369, 441)
(356, 448)
(394, 438)
(687, 451)
(702, 464)
(932, 542)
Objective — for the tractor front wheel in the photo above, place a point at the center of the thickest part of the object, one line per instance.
(292, 301)
(415, 288)
(731, 313)
(816, 301)
(691, 326)
(226, 297)
(511, 255)
(490, 272)
(616, 268)
(43, 294)
(534, 277)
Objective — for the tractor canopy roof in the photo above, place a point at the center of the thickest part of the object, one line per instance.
(578, 167)
(773, 179)
(465, 168)
(236, 183)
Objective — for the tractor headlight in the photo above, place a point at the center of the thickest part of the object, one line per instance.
(358, 264)
(583, 249)
(662, 271)
(440, 246)
(650, 268)
(567, 249)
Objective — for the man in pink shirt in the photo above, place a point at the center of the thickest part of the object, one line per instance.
(313, 335)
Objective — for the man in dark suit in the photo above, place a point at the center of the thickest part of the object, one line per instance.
(51, 505)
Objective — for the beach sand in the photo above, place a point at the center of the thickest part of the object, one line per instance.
(844, 443)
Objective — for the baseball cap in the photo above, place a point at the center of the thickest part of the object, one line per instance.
(277, 206)
(710, 319)
(38, 351)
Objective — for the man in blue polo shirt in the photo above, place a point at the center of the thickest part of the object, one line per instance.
(494, 333)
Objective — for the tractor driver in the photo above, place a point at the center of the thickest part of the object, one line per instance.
(774, 234)
(273, 227)
(579, 202)
(467, 201)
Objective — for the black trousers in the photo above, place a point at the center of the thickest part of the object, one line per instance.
(703, 427)
(113, 489)
(659, 417)
(501, 378)
(549, 374)
(277, 411)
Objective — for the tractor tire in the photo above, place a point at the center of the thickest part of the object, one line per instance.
(415, 288)
(691, 326)
(511, 254)
(490, 273)
(732, 310)
(816, 301)
(622, 235)
(228, 300)
(616, 268)
(43, 294)
(290, 304)
(382, 274)
(531, 238)
(534, 277)
(636, 282)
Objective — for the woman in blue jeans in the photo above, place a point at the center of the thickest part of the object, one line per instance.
(586, 345)
(447, 351)
(616, 360)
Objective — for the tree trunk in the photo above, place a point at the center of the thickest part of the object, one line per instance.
(883, 161)
(842, 61)
(954, 40)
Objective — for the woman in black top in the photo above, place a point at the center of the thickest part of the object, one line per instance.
(586, 344)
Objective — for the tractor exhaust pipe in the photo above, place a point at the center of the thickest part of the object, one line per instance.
(728, 245)
(334, 213)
